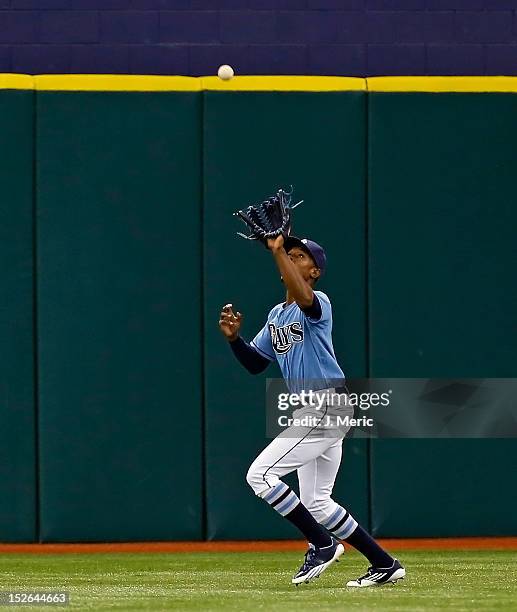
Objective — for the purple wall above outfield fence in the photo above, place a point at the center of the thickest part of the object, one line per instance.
(192, 37)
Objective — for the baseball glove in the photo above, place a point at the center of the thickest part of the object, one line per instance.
(270, 218)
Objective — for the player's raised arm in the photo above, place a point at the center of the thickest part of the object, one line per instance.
(297, 287)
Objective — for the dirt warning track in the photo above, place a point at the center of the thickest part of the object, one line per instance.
(250, 546)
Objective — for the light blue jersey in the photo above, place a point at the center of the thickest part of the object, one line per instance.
(302, 346)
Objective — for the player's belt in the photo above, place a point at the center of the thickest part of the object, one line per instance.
(334, 390)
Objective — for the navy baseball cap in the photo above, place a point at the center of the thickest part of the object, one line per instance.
(309, 246)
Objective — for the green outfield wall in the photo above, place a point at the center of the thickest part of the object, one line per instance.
(124, 414)
(255, 142)
(442, 295)
(119, 307)
(18, 468)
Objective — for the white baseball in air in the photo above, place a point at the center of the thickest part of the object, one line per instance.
(225, 72)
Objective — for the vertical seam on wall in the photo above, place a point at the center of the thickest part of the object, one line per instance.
(204, 518)
(35, 327)
(367, 294)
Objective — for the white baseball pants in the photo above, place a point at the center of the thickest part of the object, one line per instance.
(316, 455)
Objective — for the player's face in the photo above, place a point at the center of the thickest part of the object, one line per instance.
(304, 262)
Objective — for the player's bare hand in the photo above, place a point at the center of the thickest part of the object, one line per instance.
(230, 322)
(274, 244)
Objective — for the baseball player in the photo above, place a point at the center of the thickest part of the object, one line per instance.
(298, 335)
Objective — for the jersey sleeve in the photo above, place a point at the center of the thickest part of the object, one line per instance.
(262, 343)
(326, 309)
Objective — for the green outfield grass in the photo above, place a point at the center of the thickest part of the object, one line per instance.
(436, 580)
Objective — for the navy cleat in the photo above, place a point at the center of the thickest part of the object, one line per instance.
(376, 576)
(317, 560)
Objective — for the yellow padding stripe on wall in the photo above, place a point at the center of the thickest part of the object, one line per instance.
(284, 83)
(16, 81)
(444, 84)
(92, 82)
(115, 82)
